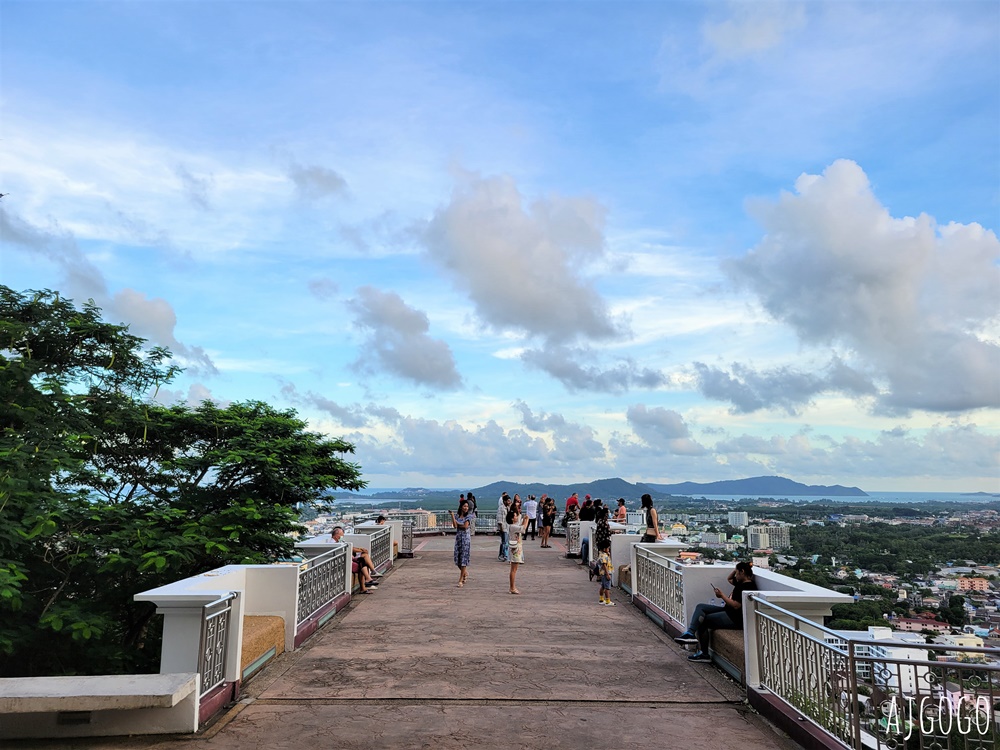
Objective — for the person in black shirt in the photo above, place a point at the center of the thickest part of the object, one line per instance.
(709, 617)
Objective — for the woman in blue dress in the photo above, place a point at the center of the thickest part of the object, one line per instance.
(463, 538)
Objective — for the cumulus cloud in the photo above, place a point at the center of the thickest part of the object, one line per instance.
(154, 319)
(348, 416)
(398, 343)
(784, 388)
(430, 446)
(151, 318)
(663, 429)
(910, 299)
(571, 441)
(521, 264)
(316, 182)
(563, 363)
(954, 451)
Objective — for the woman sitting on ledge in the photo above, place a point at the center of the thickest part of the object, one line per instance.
(709, 617)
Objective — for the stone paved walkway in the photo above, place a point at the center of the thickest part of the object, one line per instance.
(424, 664)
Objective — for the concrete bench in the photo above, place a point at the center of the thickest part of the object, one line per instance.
(263, 639)
(98, 706)
(728, 649)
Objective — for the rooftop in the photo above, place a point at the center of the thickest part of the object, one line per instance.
(424, 664)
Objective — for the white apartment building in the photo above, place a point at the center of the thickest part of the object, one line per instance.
(739, 518)
(883, 643)
(769, 537)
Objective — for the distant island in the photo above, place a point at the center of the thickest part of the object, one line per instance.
(760, 485)
(611, 489)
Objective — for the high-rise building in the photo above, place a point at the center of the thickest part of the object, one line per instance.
(739, 518)
(773, 537)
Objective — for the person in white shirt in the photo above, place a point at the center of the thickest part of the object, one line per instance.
(531, 511)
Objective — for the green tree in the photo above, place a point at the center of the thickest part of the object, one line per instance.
(104, 494)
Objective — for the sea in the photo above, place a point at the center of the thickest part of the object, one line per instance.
(895, 498)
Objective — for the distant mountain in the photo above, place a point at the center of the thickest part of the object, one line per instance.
(607, 489)
(758, 486)
(612, 489)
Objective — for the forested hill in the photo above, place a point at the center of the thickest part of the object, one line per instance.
(612, 489)
(759, 486)
(608, 489)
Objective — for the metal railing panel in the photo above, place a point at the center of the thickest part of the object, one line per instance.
(927, 696)
(573, 538)
(660, 580)
(486, 521)
(380, 547)
(406, 543)
(321, 580)
(215, 628)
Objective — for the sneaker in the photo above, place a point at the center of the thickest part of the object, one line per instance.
(609, 603)
(700, 656)
(686, 637)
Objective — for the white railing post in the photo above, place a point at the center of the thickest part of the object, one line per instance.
(751, 643)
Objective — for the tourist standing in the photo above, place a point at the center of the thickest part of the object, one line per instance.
(502, 507)
(548, 519)
(472, 506)
(516, 523)
(604, 571)
(652, 532)
(463, 539)
(572, 501)
(531, 511)
(602, 530)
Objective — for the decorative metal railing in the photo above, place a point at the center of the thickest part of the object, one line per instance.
(660, 580)
(486, 522)
(406, 543)
(321, 580)
(926, 696)
(380, 547)
(573, 538)
(215, 642)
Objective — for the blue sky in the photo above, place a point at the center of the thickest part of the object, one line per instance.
(536, 241)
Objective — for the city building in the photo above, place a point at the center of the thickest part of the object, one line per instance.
(879, 643)
(973, 584)
(739, 518)
(915, 626)
(773, 537)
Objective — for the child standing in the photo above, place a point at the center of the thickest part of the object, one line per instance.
(604, 571)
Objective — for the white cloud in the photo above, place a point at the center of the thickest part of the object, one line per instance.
(521, 266)
(151, 318)
(565, 365)
(753, 28)
(910, 300)
(398, 342)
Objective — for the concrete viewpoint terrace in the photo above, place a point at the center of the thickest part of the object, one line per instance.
(424, 664)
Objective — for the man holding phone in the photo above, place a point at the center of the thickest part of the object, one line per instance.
(729, 616)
